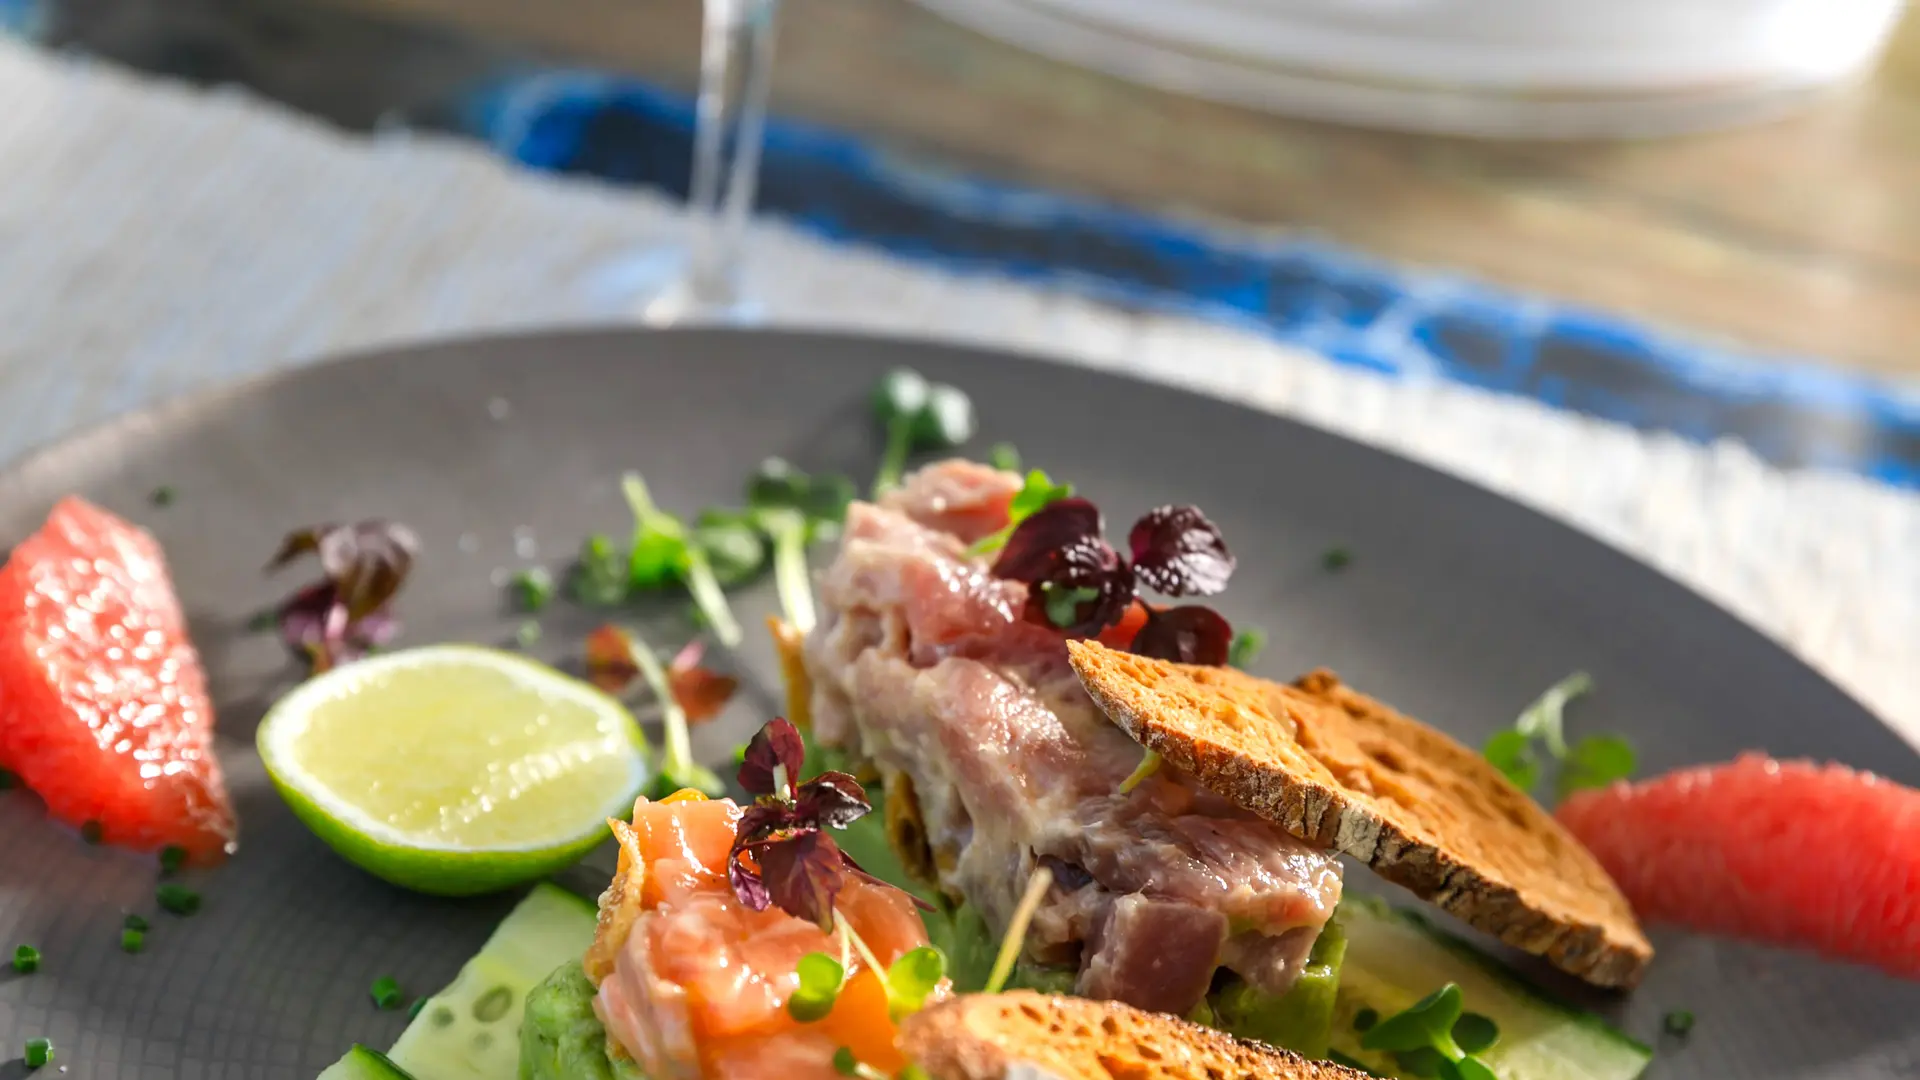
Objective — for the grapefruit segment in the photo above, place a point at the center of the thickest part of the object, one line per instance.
(1789, 853)
(104, 709)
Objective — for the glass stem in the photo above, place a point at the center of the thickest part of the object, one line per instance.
(736, 62)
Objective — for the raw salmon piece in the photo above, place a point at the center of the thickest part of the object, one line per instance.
(1790, 853)
(104, 709)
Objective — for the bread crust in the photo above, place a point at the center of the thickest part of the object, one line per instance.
(1345, 772)
(1021, 1034)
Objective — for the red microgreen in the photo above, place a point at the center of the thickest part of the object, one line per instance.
(349, 611)
(782, 855)
(702, 692)
(1079, 584)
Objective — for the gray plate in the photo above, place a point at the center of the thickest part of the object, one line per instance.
(1458, 606)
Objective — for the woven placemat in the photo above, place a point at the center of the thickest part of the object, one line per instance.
(154, 240)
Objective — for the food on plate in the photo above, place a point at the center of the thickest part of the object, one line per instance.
(736, 943)
(681, 690)
(453, 769)
(1022, 1035)
(1703, 847)
(104, 710)
(1177, 889)
(349, 611)
(1344, 772)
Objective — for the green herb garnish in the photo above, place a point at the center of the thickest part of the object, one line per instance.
(912, 978)
(1016, 937)
(662, 555)
(39, 1052)
(26, 959)
(532, 589)
(1432, 1037)
(527, 634)
(172, 858)
(1336, 559)
(135, 922)
(91, 831)
(1063, 604)
(1149, 764)
(385, 992)
(162, 496)
(177, 899)
(8, 780)
(1246, 646)
(1593, 761)
(788, 528)
(822, 497)
(599, 576)
(1678, 1022)
(132, 940)
(1005, 457)
(1035, 494)
(821, 977)
(733, 544)
(917, 415)
(678, 769)
(413, 1010)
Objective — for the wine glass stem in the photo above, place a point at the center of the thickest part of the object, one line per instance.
(736, 61)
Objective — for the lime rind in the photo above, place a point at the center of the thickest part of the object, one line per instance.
(436, 867)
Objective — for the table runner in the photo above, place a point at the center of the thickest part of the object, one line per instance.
(156, 239)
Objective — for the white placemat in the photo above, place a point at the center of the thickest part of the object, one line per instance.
(154, 240)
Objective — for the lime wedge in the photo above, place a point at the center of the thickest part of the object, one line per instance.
(453, 769)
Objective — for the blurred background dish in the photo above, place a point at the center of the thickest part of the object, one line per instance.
(1507, 68)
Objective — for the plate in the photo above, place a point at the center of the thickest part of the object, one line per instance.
(1458, 606)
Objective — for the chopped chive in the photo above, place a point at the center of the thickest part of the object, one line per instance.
(386, 992)
(177, 899)
(1365, 1019)
(91, 832)
(845, 1063)
(135, 922)
(172, 858)
(26, 959)
(132, 940)
(162, 496)
(528, 634)
(1678, 1022)
(39, 1052)
(413, 1010)
(533, 589)
(1336, 559)
(8, 780)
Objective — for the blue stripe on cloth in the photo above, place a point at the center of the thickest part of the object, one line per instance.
(1354, 309)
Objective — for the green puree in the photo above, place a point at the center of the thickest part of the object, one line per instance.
(561, 1038)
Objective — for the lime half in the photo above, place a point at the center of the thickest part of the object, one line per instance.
(454, 769)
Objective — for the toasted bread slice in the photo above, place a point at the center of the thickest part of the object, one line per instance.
(1342, 771)
(1021, 1035)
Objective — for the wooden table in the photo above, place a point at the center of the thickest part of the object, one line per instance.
(1797, 237)
(1800, 236)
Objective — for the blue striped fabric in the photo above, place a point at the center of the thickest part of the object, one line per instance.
(1355, 309)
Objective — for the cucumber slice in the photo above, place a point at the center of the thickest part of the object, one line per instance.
(362, 1063)
(1395, 958)
(471, 1029)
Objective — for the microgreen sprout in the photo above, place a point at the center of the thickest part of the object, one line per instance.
(1336, 559)
(912, 978)
(1004, 456)
(172, 858)
(39, 1053)
(821, 977)
(1246, 647)
(26, 959)
(846, 1064)
(788, 528)
(162, 495)
(1035, 494)
(610, 646)
(1433, 1037)
(1679, 1022)
(527, 634)
(532, 589)
(135, 922)
(385, 992)
(917, 415)
(131, 940)
(177, 899)
(734, 547)
(663, 555)
(1149, 764)
(348, 613)
(1592, 761)
(599, 577)
(1079, 584)
(822, 497)
(1016, 936)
